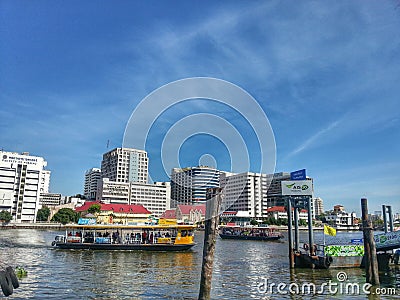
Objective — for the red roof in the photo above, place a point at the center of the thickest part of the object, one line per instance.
(117, 208)
(169, 214)
(281, 209)
(185, 209)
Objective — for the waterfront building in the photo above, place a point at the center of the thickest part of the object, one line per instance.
(342, 219)
(245, 192)
(191, 213)
(50, 199)
(280, 213)
(125, 165)
(318, 206)
(129, 214)
(22, 176)
(189, 185)
(92, 178)
(155, 197)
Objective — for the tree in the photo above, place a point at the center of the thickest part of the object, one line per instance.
(5, 216)
(43, 214)
(302, 222)
(94, 208)
(66, 215)
(253, 222)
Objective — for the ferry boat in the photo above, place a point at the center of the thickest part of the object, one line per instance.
(249, 233)
(127, 237)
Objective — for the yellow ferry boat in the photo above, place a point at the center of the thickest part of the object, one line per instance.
(165, 237)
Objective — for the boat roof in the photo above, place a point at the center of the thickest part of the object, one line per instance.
(120, 226)
(246, 227)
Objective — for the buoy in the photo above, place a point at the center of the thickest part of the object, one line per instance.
(6, 284)
(13, 277)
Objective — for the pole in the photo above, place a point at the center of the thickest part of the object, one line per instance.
(390, 217)
(296, 228)
(290, 232)
(371, 261)
(385, 227)
(211, 224)
(310, 228)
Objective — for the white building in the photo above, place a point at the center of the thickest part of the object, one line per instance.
(154, 197)
(189, 185)
(245, 192)
(45, 181)
(50, 199)
(318, 206)
(21, 178)
(125, 165)
(343, 220)
(92, 179)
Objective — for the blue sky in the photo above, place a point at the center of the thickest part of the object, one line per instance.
(326, 74)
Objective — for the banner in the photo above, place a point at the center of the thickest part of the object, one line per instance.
(329, 230)
(390, 239)
(297, 188)
(344, 250)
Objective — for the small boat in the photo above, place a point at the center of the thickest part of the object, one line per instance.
(127, 237)
(249, 233)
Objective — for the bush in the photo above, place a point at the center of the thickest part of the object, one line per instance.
(5, 216)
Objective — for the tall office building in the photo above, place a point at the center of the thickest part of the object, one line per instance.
(22, 176)
(125, 165)
(245, 192)
(92, 179)
(189, 185)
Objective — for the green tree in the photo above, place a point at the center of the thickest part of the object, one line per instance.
(66, 215)
(302, 222)
(5, 216)
(253, 222)
(94, 208)
(43, 214)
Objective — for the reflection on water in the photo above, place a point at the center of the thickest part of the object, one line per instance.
(239, 269)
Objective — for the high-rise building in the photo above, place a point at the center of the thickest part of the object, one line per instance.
(154, 197)
(189, 185)
(245, 192)
(318, 206)
(22, 176)
(125, 165)
(92, 179)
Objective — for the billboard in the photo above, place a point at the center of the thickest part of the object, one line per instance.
(344, 250)
(297, 188)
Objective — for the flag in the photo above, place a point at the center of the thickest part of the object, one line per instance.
(329, 230)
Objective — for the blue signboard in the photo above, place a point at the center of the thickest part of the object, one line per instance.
(357, 241)
(298, 175)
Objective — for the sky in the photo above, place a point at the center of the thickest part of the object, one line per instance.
(324, 73)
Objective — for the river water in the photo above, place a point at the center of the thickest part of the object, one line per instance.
(242, 270)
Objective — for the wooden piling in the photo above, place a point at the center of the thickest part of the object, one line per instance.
(210, 234)
(290, 233)
(371, 261)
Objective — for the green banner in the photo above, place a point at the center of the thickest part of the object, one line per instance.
(344, 250)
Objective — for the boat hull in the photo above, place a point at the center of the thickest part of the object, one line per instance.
(247, 237)
(120, 247)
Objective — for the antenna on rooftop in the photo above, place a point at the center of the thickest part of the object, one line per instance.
(108, 143)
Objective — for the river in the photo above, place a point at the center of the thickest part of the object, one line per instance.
(242, 270)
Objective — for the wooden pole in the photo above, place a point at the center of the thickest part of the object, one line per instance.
(371, 261)
(290, 233)
(210, 234)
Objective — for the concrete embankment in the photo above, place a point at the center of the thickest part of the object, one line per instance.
(44, 226)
